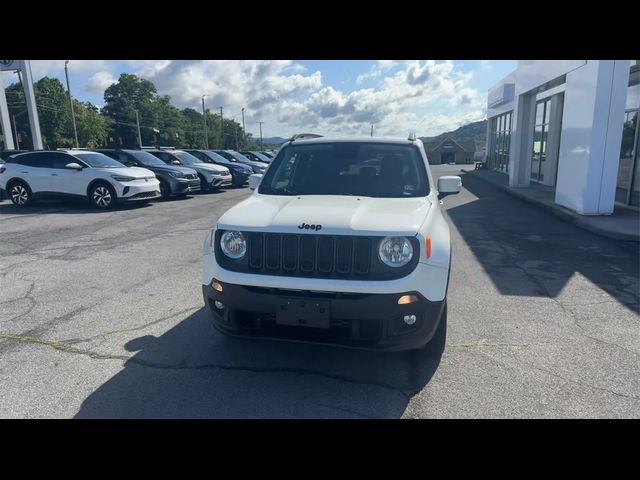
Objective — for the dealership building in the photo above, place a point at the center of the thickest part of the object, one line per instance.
(571, 127)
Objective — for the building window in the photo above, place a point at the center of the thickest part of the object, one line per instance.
(628, 184)
(500, 142)
(540, 137)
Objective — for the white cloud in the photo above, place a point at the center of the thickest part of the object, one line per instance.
(99, 82)
(427, 96)
(486, 64)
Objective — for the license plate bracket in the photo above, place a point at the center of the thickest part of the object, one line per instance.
(303, 312)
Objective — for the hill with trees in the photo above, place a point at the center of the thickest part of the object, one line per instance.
(476, 131)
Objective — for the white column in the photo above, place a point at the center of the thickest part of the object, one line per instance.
(521, 140)
(5, 123)
(592, 124)
(32, 110)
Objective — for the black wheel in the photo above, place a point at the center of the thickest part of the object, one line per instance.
(102, 196)
(165, 191)
(204, 186)
(20, 194)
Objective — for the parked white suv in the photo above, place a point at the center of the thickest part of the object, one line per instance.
(75, 174)
(343, 242)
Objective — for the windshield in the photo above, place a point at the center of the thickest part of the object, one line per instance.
(186, 158)
(362, 169)
(98, 160)
(147, 159)
(240, 157)
(257, 156)
(213, 157)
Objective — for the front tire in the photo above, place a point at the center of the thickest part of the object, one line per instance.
(102, 196)
(20, 194)
(165, 191)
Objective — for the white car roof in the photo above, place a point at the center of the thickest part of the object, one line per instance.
(358, 139)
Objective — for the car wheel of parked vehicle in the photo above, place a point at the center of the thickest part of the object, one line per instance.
(102, 196)
(204, 186)
(20, 193)
(165, 191)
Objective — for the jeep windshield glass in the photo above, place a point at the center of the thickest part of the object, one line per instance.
(361, 169)
(146, 158)
(98, 160)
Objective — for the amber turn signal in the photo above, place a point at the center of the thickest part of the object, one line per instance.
(217, 286)
(405, 299)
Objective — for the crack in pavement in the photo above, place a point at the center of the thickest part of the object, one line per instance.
(63, 347)
(132, 329)
(556, 375)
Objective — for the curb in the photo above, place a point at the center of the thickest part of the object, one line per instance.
(562, 213)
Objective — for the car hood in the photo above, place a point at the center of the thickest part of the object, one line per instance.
(209, 167)
(171, 168)
(337, 215)
(135, 172)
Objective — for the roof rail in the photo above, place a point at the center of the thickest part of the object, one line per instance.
(300, 136)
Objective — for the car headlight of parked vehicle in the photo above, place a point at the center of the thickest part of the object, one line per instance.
(177, 174)
(395, 251)
(233, 244)
(122, 178)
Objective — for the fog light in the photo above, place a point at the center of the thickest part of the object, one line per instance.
(409, 319)
(403, 300)
(217, 286)
(219, 305)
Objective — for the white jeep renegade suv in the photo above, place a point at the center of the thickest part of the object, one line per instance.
(343, 242)
(75, 174)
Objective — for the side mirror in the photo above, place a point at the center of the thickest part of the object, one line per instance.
(254, 180)
(73, 166)
(449, 185)
(176, 162)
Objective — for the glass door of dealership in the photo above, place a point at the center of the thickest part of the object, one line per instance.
(628, 184)
(546, 139)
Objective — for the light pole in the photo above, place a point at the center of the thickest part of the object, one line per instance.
(221, 139)
(73, 116)
(244, 130)
(260, 134)
(372, 129)
(204, 122)
(139, 136)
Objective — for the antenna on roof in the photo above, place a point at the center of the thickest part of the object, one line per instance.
(412, 136)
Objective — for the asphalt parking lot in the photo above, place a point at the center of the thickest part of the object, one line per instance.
(101, 315)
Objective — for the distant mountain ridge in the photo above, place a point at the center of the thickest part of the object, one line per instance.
(271, 140)
(476, 131)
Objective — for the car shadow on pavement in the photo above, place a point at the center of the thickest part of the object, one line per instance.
(192, 371)
(529, 252)
(56, 206)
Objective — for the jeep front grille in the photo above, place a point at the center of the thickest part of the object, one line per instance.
(314, 255)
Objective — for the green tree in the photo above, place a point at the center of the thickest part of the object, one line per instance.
(91, 125)
(121, 100)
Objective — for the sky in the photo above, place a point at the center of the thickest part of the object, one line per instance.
(328, 97)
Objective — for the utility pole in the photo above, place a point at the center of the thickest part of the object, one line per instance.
(372, 129)
(260, 134)
(73, 116)
(139, 136)
(237, 147)
(244, 130)
(221, 134)
(15, 131)
(204, 122)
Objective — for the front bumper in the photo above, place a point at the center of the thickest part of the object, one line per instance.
(183, 185)
(367, 321)
(138, 191)
(222, 181)
(240, 179)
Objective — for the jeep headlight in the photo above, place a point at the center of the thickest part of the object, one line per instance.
(395, 251)
(233, 244)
